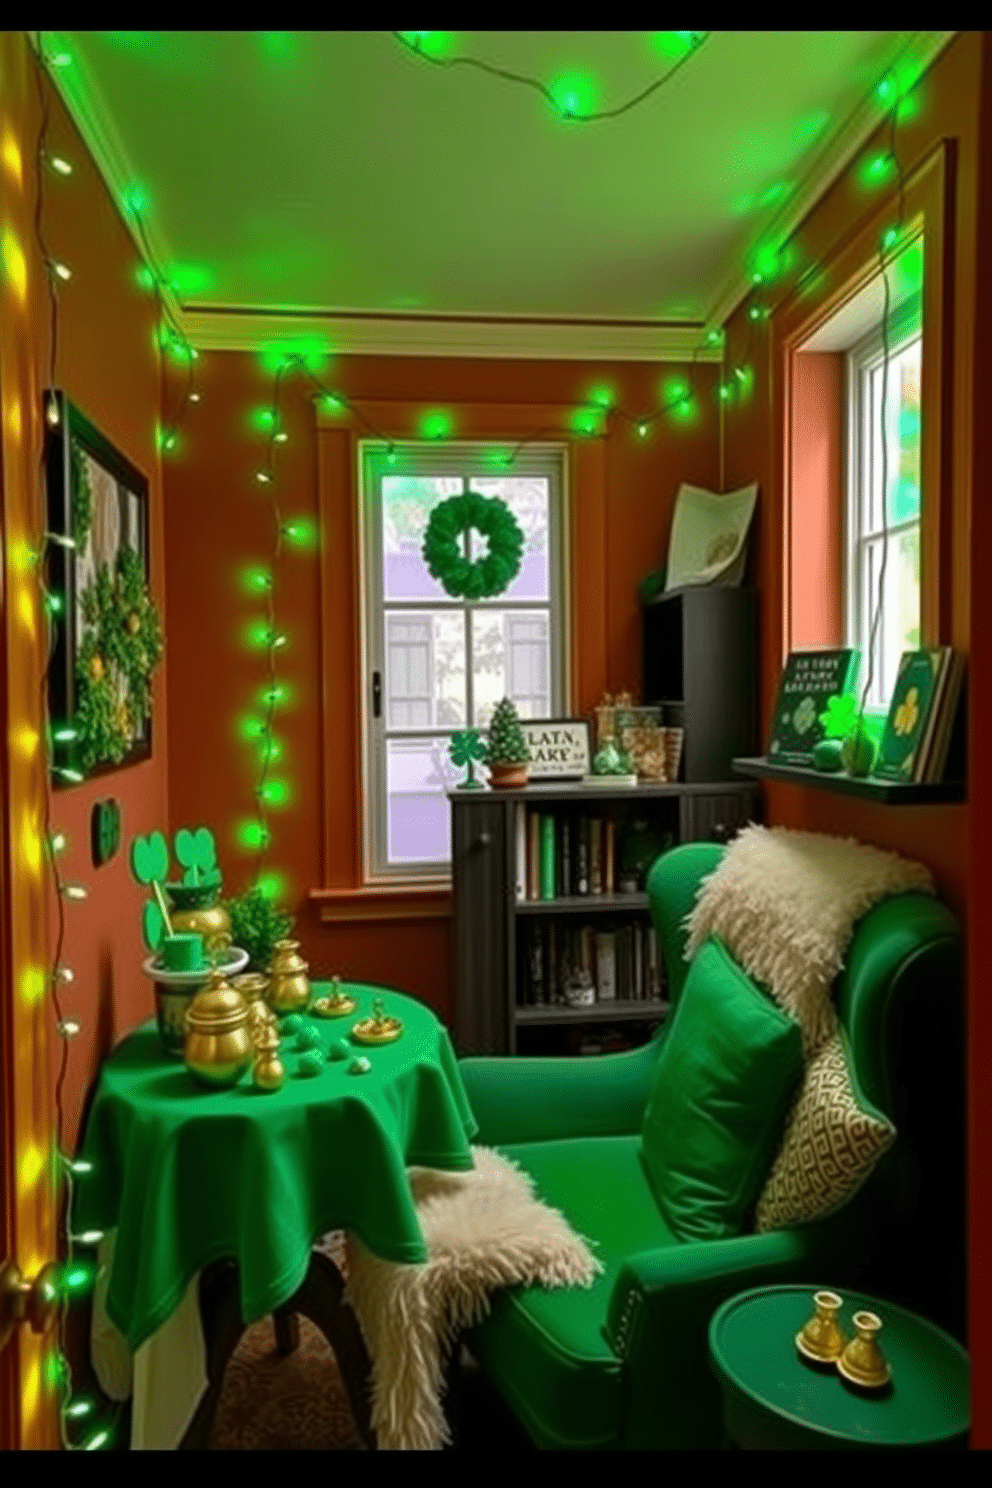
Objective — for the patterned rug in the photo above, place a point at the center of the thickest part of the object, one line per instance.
(272, 1403)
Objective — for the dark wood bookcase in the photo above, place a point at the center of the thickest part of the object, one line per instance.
(492, 924)
(701, 664)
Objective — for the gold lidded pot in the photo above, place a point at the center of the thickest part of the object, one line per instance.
(218, 1047)
(289, 990)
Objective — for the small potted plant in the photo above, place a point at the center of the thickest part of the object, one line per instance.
(507, 754)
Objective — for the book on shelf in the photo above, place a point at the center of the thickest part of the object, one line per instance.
(595, 855)
(653, 978)
(535, 965)
(565, 856)
(582, 865)
(919, 718)
(533, 855)
(609, 856)
(548, 865)
(809, 679)
(937, 747)
(606, 966)
(640, 990)
(520, 839)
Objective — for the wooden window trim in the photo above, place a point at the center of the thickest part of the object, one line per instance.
(344, 891)
(851, 264)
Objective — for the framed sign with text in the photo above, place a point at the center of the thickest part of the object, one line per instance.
(559, 747)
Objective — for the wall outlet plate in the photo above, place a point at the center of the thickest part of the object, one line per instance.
(105, 829)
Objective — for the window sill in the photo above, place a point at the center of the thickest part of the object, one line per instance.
(383, 902)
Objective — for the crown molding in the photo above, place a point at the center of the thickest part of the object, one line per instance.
(91, 116)
(360, 333)
(921, 50)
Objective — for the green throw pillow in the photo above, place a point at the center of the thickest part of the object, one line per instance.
(725, 1078)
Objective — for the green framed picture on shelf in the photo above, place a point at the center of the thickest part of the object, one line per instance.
(809, 680)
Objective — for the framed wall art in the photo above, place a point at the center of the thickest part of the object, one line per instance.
(106, 633)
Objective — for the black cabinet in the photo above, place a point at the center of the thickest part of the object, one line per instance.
(501, 926)
(700, 662)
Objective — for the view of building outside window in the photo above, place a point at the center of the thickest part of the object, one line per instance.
(447, 663)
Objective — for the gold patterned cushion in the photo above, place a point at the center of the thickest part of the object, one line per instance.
(833, 1139)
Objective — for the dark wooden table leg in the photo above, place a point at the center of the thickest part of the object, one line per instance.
(287, 1326)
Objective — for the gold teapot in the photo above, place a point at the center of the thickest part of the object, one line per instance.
(218, 1048)
(289, 990)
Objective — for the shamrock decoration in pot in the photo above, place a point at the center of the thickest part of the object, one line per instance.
(444, 551)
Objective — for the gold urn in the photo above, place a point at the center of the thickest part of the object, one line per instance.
(194, 911)
(218, 1047)
(268, 1073)
(289, 990)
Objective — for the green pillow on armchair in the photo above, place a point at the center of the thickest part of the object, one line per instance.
(725, 1078)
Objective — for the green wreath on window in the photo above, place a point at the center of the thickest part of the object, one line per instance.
(443, 552)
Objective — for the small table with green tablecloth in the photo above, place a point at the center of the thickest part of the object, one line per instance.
(774, 1398)
(184, 1176)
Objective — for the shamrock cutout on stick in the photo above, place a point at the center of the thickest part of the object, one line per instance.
(150, 858)
(198, 855)
(467, 746)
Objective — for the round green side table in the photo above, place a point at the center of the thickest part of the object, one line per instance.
(774, 1398)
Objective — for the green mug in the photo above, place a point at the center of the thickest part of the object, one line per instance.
(182, 952)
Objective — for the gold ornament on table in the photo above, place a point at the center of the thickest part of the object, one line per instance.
(218, 1048)
(269, 1073)
(253, 985)
(822, 1339)
(289, 990)
(861, 1362)
(338, 1004)
(379, 1029)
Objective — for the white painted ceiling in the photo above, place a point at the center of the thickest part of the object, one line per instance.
(336, 171)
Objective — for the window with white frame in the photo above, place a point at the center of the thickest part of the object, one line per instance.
(884, 397)
(432, 663)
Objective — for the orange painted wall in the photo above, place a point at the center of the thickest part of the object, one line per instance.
(108, 365)
(218, 520)
(818, 480)
(754, 447)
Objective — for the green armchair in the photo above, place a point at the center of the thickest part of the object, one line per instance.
(624, 1364)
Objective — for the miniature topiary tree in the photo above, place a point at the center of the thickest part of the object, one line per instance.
(507, 745)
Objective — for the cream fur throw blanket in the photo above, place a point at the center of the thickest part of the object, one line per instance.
(483, 1229)
(785, 905)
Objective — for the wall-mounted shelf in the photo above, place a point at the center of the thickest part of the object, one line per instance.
(884, 792)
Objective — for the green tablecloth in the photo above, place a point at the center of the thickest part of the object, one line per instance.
(188, 1175)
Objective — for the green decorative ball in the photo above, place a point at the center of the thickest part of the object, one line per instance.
(291, 1023)
(311, 1064)
(307, 1037)
(339, 1050)
(828, 755)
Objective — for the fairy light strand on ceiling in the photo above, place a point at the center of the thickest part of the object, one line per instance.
(566, 103)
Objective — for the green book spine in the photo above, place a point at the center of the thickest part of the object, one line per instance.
(547, 857)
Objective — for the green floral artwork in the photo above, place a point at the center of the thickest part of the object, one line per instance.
(121, 646)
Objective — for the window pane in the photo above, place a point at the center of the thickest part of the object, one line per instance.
(425, 669)
(528, 499)
(407, 503)
(418, 772)
(902, 423)
(511, 657)
(899, 624)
